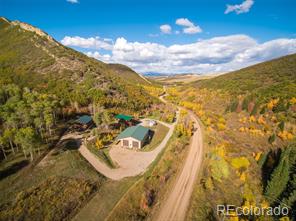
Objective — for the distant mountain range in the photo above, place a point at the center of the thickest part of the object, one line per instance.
(155, 74)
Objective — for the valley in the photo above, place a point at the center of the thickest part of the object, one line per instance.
(82, 139)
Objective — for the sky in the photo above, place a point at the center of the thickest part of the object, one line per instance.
(166, 36)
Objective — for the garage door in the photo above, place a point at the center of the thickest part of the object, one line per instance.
(136, 144)
(125, 143)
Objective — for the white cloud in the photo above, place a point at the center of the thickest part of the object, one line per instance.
(184, 22)
(238, 9)
(73, 1)
(91, 43)
(188, 26)
(166, 29)
(218, 54)
(192, 30)
(97, 55)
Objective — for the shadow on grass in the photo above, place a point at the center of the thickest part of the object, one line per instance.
(67, 144)
(13, 169)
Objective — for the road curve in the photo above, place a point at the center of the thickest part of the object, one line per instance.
(175, 206)
(130, 162)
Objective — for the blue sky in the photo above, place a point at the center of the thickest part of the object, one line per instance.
(140, 21)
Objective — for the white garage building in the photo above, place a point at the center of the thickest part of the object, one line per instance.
(134, 137)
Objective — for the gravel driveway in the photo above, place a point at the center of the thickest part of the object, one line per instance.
(130, 162)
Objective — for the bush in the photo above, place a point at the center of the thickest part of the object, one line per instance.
(219, 168)
(240, 162)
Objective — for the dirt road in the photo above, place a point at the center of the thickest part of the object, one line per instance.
(175, 206)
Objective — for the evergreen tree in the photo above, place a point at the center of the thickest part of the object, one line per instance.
(279, 178)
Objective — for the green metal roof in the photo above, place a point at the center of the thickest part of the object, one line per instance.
(137, 132)
(85, 119)
(123, 117)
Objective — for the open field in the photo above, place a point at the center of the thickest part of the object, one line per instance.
(182, 78)
(104, 200)
(63, 168)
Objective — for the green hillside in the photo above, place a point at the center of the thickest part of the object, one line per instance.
(31, 58)
(249, 120)
(275, 78)
(44, 86)
(128, 74)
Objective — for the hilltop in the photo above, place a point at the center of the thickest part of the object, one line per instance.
(275, 78)
(31, 58)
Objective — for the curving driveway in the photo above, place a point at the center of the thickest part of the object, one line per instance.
(130, 162)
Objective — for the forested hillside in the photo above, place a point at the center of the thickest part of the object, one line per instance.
(276, 78)
(249, 119)
(31, 58)
(44, 87)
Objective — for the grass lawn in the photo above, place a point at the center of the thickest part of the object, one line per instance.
(160, 131)
(99, 207)
(102, 155)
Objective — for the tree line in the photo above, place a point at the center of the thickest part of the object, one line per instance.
(26, 119)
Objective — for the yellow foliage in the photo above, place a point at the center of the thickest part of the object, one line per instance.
(261, 120)
(221, 120)
(258, 155)
(240, 162)
(209, 184)
(252, 119)
(190, 105)
(99, 144)
(243, 177)
(210, 129)
(233, 216)
(183, 112)
(292, 100)
(221, 126)
(154, 91)
(273, 119)
(220, 150)
(208, 121)
(254, 131)
(285, 135)
(243, 120)
(242, 129)
(184, 129)
(200, 113)
(286, 218)
(264, 204)
(272, 103)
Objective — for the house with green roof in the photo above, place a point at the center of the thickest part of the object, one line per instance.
(134, 137)
(84, 122)
(123, 117)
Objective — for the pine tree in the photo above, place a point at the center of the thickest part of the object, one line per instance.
(279, 178)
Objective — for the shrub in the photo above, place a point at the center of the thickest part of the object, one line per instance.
(219, 168)
(281, 125)
(271, 139)
(240, 162)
